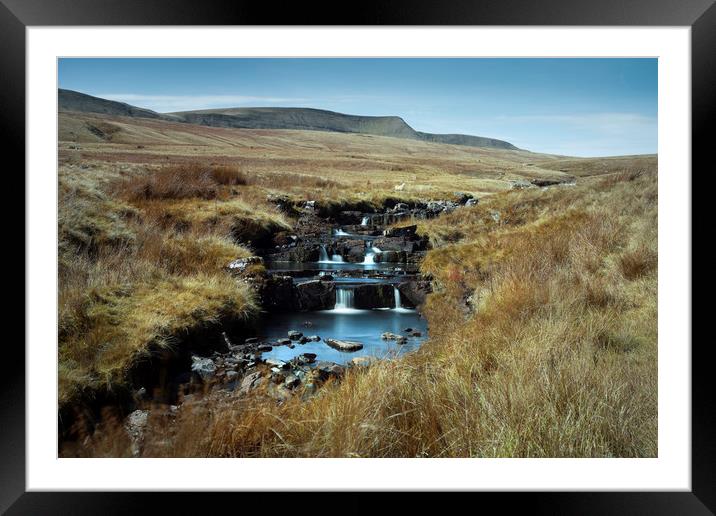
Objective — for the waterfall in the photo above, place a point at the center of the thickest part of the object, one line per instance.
(336, 258)
(340, 232)
(365, 221)
(398, 305)
(344, 298)
(344, 301)
(369, 258)
(324, 255)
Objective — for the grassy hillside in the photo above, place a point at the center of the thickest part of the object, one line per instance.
(69, 100)
(543, 335)
(542, 324)
(352, 161)
(301, 119)
(277, 118)
(130, 281)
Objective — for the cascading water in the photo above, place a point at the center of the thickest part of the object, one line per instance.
(370, 252)
(344, 301)
(364, 283)
(397, 304)
(336, 258)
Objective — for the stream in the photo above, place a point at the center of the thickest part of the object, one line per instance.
(344, 321)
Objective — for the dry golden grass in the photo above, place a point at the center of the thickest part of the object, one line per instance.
(129, 284)
(542, 325)
(179, 182)
(305, 163)
(542, 344)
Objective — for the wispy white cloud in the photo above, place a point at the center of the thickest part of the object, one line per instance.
(611, 123)
(168, 103)
(583, 134)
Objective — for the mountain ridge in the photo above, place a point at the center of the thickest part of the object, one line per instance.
(311, 119)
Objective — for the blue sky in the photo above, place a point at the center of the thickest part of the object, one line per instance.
(576, 107)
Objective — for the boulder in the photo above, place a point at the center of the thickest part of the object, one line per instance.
(438, 207)
(361, 361)
(283, 342)
(241, 264)
(251, 382)
(203, 367)
(264, 348)
(471, 202)
(414, 292)
(314, 338)
(135, 426)
(279, 364)
(304, 358)
(462, 197)
(352, 250)
(315, 295)
(292, 381)
(385, 219)
(326, 370)
(521, 183)
(394, 336)
(344, 345)
(373, 295)
(294, 335)
(405, 231)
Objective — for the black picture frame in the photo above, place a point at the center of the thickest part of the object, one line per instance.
(17, 15)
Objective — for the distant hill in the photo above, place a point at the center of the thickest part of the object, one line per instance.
(278, 118)
(466, 139)
(300, 118)
(69, 100)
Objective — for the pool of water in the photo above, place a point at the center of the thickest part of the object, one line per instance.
(364, 326)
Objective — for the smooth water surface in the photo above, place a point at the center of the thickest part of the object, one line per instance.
(364, 326)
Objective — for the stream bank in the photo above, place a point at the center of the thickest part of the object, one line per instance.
(341, 290)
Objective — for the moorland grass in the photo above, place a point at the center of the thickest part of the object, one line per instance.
(542, 344)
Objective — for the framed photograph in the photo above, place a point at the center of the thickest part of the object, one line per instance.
(417, 248)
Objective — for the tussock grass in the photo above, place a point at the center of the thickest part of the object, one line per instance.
(542, 344)
(88, 218)
(128, 283)
(185, 181)
(543, 323)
